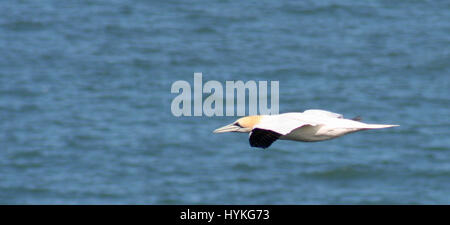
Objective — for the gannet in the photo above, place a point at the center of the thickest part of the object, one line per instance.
(310, 126)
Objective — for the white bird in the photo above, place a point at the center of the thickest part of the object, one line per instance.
(311, 125)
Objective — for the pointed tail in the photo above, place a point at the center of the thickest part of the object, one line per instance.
(378, 126)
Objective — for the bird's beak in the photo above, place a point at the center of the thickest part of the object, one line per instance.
(227, 128)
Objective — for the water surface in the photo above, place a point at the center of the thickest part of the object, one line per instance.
(85, 101)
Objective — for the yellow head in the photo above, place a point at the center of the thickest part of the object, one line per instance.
(244, 124)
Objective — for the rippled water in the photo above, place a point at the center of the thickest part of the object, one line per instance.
(85, 101)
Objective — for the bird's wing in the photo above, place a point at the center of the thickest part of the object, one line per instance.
(287, 122)
(319, 112)
(262, 138)
(272, 127)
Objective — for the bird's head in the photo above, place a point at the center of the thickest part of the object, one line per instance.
(244, 124)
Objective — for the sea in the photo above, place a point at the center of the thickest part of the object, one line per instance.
(85, 101)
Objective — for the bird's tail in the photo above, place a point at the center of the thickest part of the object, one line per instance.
(378, 126)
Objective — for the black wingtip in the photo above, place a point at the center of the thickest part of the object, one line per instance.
(358, 118)
(261, 138)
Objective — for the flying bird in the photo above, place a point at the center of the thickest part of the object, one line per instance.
(310, 126)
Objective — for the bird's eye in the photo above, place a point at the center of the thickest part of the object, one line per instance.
(237, 124)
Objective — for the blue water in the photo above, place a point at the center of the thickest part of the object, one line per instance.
(85, 101)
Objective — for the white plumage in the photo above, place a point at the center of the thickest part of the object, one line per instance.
(311, 125)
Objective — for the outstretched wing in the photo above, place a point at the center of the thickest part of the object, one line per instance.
(273, 127)
(319, 112)
(287, 122)
(262, 138)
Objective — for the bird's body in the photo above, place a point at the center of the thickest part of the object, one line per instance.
(309, 126)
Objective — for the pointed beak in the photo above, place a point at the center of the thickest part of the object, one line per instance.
(227, 128)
